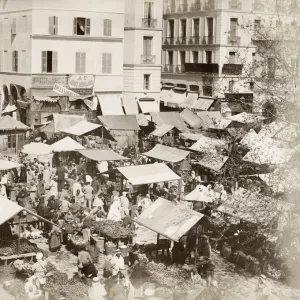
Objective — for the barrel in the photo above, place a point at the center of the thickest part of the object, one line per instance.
(99, 241)
(124, 250)
(110, 250)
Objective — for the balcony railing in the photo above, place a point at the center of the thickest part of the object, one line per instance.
(183, 7)
(170, 9)
(168, 69)
(207, 40)
(180, 69)
(234, 40)
(209, 5)
(149, 23)
(234, 4)
(194, 40)
(182, 40)
(148, 59)
(196, 6)
(169, 41)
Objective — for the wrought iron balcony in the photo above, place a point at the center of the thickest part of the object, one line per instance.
(234, 40)
(196, 6)
(169, 41)
(170, 9)
(209, 5)
(235, 4)
(168, 69)
(180, 69)
(194, 40)
(182, 40)
(149, 23)
(207, 40)
(148, 59)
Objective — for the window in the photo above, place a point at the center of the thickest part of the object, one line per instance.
(80, 62)
(182, 57)
(15, 61)
(82, 26)
(49, 61)
(271, 67)
(11, 141)
(107, 27)
(195, 57)
(208, 57)
(53, 25)
(170, 57)
(207, 91)
(147, 45)
(232, 57)
(148, 11)
(171, 28)
(196, 27)
(5, 60)
(183, 27)
(257, 24)
(14, 26)
(24, 24)
(230, 88)
(146, 82)
(233, 28)
(24, 61)
(251, 85)
(106, 62)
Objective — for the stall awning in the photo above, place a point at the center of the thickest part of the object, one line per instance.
(177, 98)
(142, 119)
(62, 121)
(126, 122)
(162, 130)
(250, 139)
(191, 136)
(9, 109)
(219, 123)
(46, 99)
(169, 219)
(169, 118)
(209, 145)
(191, 119)
(208, 116)
(65, 145)
(7, 165)
(246, 118)
(148, 106)
(147, 174)
(81, 128)
(8, 123)
(166, 95)
(8, 209)
(190, 100)
(203, 103)
(213, 162)
(165, 153)
(130, 106)
(110, 104)
(198, 195)
(39, 149)
(102, 155)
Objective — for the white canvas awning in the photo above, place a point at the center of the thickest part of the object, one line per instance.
(7, 165)
(162, 130)
(9, 109)
(190, 100)
(203, 103)
(110, 104)
(148, 106)
(130, 106)
(65, 145)
(81, 128)
(177, 98)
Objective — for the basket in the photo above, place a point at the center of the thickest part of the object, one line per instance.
(110, 250)
(124, 251)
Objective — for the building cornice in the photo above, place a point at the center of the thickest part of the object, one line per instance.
(127, 28)
(76, 38)
(142, 66)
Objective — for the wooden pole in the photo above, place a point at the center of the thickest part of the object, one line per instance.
(102, 140)
(121, 183)
(37, 216)
(157, 242)
(196, 246)
(19, 237)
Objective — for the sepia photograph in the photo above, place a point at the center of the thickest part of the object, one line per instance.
(149, 149)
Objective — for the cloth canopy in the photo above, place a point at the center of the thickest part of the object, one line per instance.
(166, 95)
(207, 117)
(203, 103)
(206, 144)
(177, 98)
(199, 195)
(148, 106)
(250, 139)
(81, 128)
(166, 153)
(213, 162)
(219, 123)
(162, 130)
(147, 174)
(8, 209)
(8, 123)
(169, 219)
(190, 100)
(191, 136)
(246, 118)
(169, 118)
(120, 122)
(46, 99)
(142, 119)
(102, 154)
(130, 106)
(7, 165)
(9, 109)
(191, 119)
(110, 105)
(37, 149)
(66, 144)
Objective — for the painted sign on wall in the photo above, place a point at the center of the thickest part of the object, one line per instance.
(81, 81)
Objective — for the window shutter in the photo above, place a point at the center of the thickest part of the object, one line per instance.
(16, 61)
(88, 27)
(54, 62)
(13, 61)
(147, 10)
(109, 63)
(83, 60)
(75, 26)
(44, 61)
(109, 27)
(5, 142)
(77, 63)
(104, 63)
(55, 25)
(105, 27)
(51, 25)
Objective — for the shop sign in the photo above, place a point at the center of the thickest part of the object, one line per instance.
(64, 91)
(48, 80)
(81, 81)
(83, 92)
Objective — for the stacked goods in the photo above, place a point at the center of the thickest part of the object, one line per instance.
(112, 229)
(73, 289)
(10, 247)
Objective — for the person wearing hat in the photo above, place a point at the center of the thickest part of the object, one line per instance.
(262, 290)
(97, 290)
(117, 263)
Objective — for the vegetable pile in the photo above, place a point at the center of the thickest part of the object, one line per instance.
(10, 247)
(112, 229)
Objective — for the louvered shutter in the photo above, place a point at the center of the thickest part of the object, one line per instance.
(54, 62)
(88, 27)
(44, 61)
(77, 63)
(75, 26)
(83, 60)
(109, 22)
(104, 63)
(109, 63)
(51, 25)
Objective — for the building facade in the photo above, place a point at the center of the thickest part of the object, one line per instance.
(69, 43)
(142, 52)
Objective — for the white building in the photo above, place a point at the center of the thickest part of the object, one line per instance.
(45, 42)
(142, 53)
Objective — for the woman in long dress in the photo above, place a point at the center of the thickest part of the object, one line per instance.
(55, 239)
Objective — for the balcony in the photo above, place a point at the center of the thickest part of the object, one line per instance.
(202, 68)
(170, 9)
(196, 6)
(180, 69)
(149, 23)
(194, 40)
(234, 40)
(207, 40)
(169, 41)
(181, 40)
(209, 5)
(168, 69)
(235, 4)
(148, 59)
(183, 7)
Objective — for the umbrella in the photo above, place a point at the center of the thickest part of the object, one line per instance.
(198, 196)
(6, 165)
(37, 149)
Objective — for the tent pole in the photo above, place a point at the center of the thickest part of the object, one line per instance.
(19, 237)
(37, 216)
(196, 247)
(157, 242)
(121, 183)
(179, 188)
(102, 140)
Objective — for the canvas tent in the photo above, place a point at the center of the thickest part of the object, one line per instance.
(169, 118)
(162, 130)
(191, 119)
(7, 165)
(213, 162)
(206, 144)
(81, 128)
(37, 149)
(102, 155)
(65, 145)
(7, 123)
(126, 123)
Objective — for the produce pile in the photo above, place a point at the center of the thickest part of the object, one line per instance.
(112, 229)
(10, 247)
(73, 289)
(7, 272)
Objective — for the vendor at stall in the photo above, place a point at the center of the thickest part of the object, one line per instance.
(117, 263)
(204, 248)
(85, 264)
